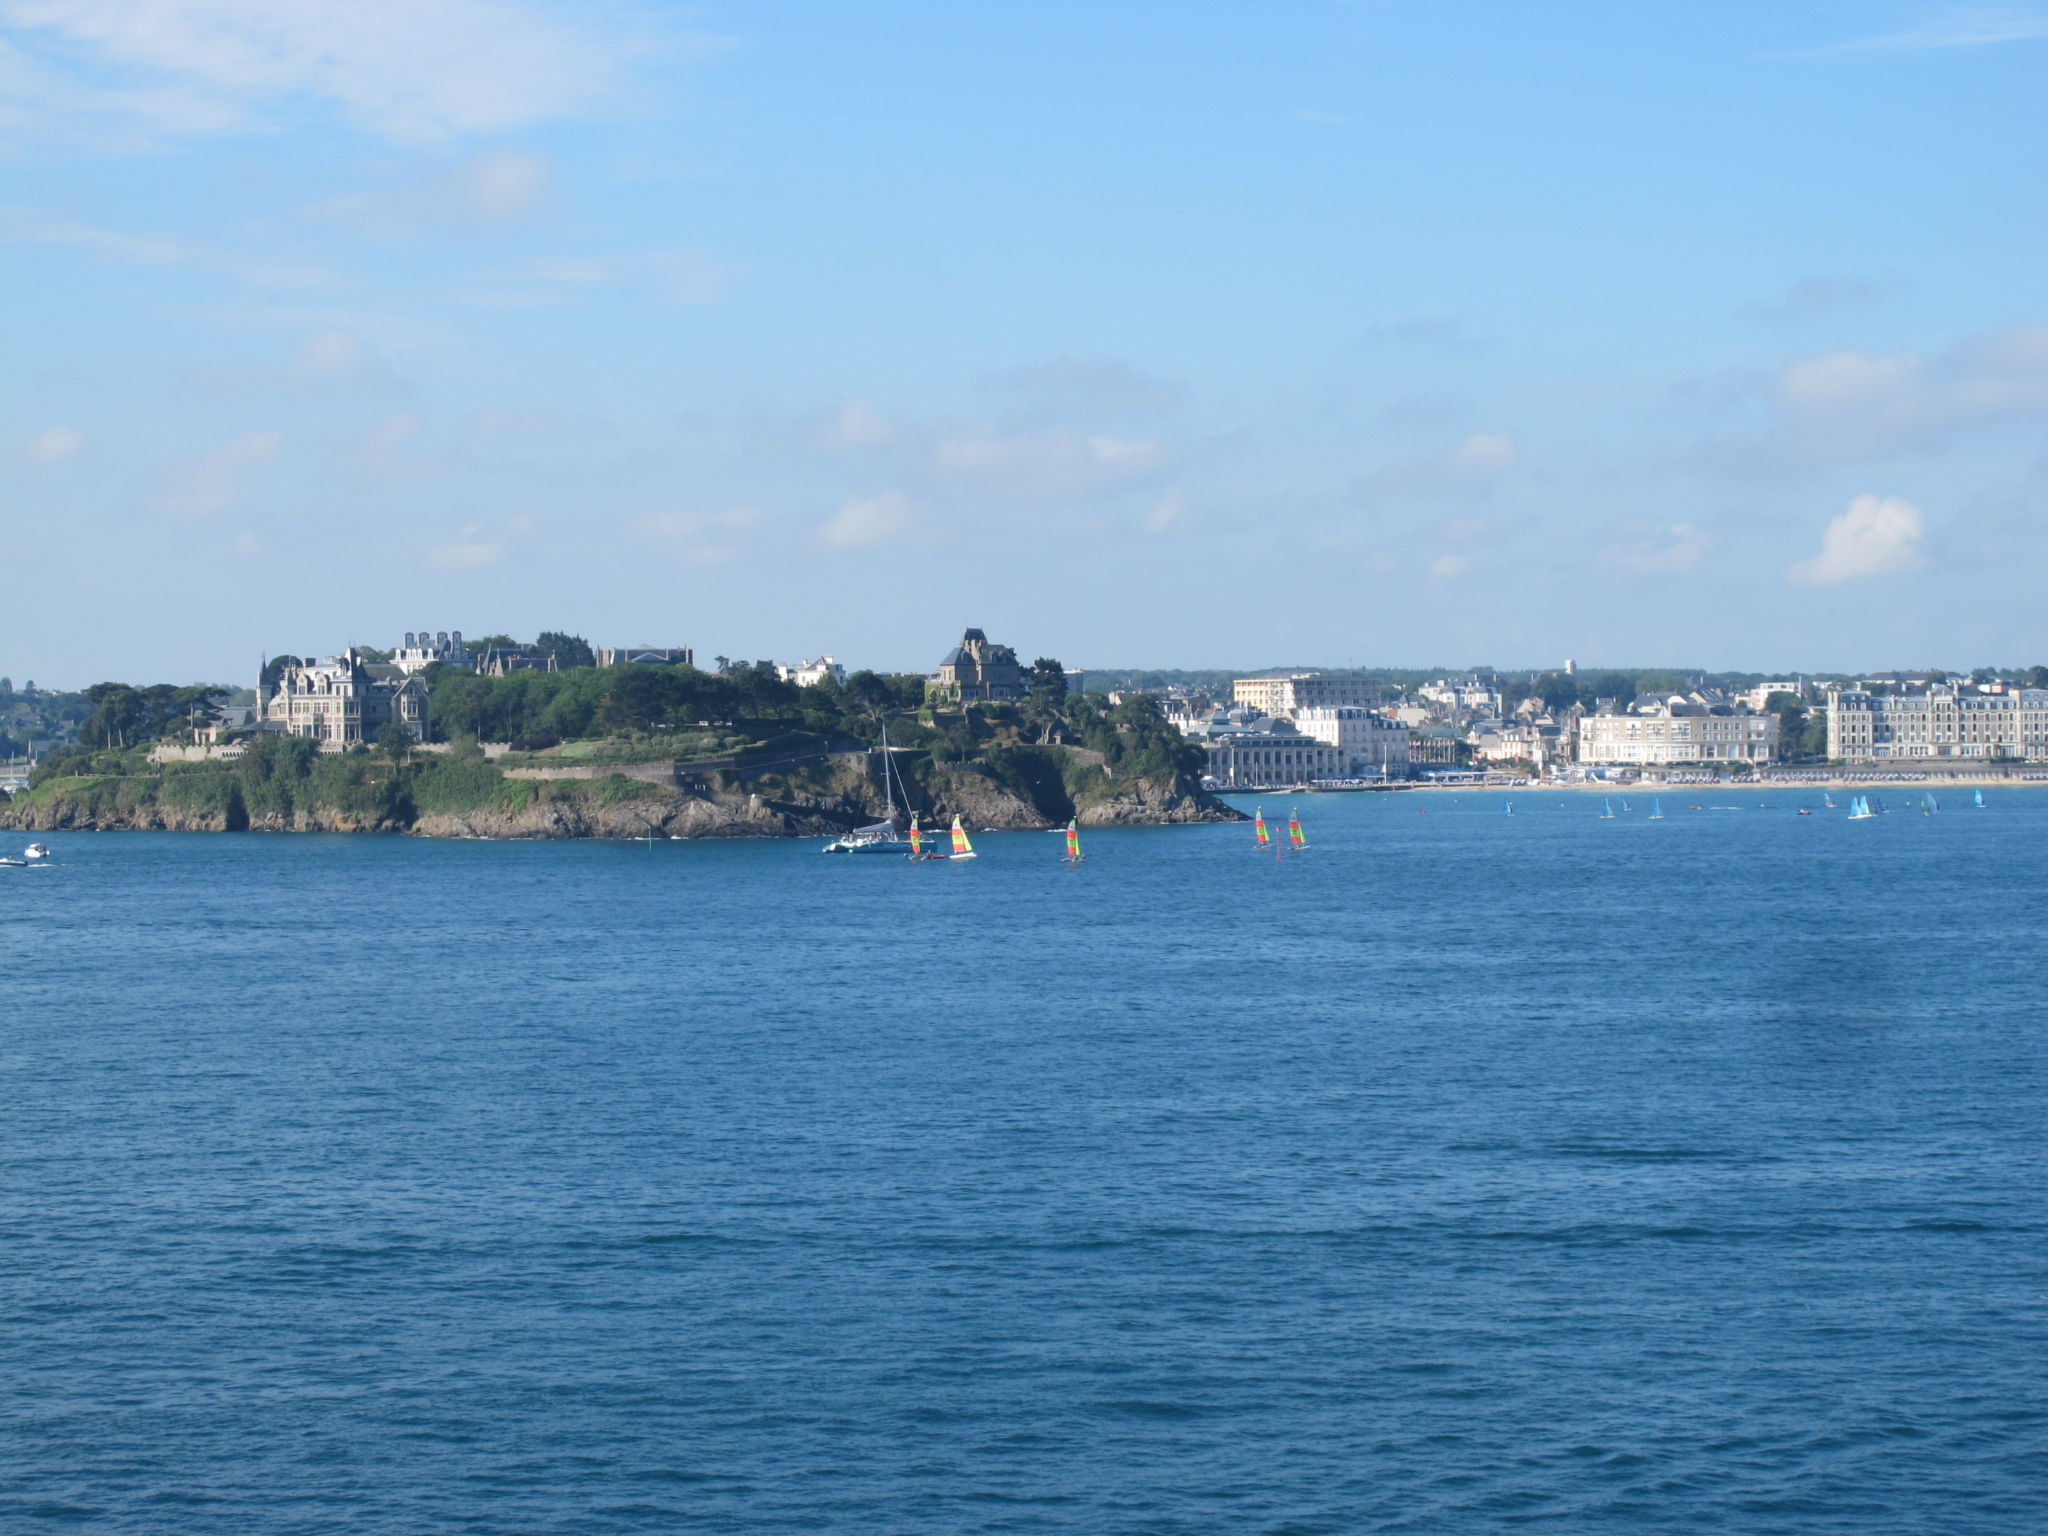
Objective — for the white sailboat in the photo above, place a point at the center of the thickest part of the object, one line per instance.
(879, 836)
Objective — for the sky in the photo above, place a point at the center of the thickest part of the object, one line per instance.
(1336, 332)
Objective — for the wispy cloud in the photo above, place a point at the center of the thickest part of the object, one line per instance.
(35, 226)
(54, 445)
(865, 521)
(212, 481)
(1651, 550)
(1851, 406)
(697, 538)
(1876, 536)
(405, 69)
(1066, 387)
(1969, 28)
(495, 188)
(671, 277)
(1813, 297)
(1468, 469)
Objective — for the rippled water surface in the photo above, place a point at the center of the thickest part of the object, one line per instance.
(1470, 1171)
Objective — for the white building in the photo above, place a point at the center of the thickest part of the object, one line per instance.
(1936, 720)
(1285, 696)
(422, 650)
(1461, 693)
(1673, 728)
(808, 674)
(1372, 745)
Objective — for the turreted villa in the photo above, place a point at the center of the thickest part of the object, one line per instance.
(976, 672)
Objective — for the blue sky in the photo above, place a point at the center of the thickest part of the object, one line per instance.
(1144, 335)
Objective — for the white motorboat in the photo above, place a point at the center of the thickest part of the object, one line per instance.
(36, 851)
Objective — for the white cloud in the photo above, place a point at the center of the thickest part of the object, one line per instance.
(496, 187)
(213, 480)
(1165, 512)
(1848, 406)
(1877, 535)
(866, 520)
(859, 425)
(1469, 469)
(674, 277)
(1450, 567)
(467, 555)
(407, 69)
(697, 538)
(1657, 551)
(34, 226)
(248, 543)
(53, 445)
(1056, 462)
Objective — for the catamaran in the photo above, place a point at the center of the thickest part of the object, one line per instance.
(962, 849)
(1859, 809)
(1607, 810)
(1294, 832)
(1656, 810)
(1074, 853)
(879, 836)
(1259, 828)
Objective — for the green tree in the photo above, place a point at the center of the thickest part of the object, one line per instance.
(1048, 681)
(568, 650)
(394, 740)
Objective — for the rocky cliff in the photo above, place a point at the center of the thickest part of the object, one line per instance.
(477, 801)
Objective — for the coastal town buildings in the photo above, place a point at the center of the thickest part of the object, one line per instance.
(1675, 728)
(1936, 720)
(422, 650)
(342, 702)
(976, 671)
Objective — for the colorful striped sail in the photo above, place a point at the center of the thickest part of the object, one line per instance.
(962, 849)
(1073, 842)
(1294, 831)
(1259, 826)
(916, 838)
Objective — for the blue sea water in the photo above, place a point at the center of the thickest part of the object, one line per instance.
(1469, 1172)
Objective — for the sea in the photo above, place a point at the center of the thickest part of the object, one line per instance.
(1488, 1165)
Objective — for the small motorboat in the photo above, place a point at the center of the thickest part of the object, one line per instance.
(37, 851)
(13, 863)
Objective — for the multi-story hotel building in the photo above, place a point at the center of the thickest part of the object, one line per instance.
(1676, 730)
(1933, 720)
(1372, 744)
(1287, 696)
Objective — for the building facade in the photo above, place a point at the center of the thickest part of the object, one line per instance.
(1675, 729)
(978, 672)
(503, 660)
(1937, 720)
(808, 674)
(1278, 755)
(1287, 696)
(1372, 745)
(342, 702)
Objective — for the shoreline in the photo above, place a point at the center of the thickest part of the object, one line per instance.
(1652, 786)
